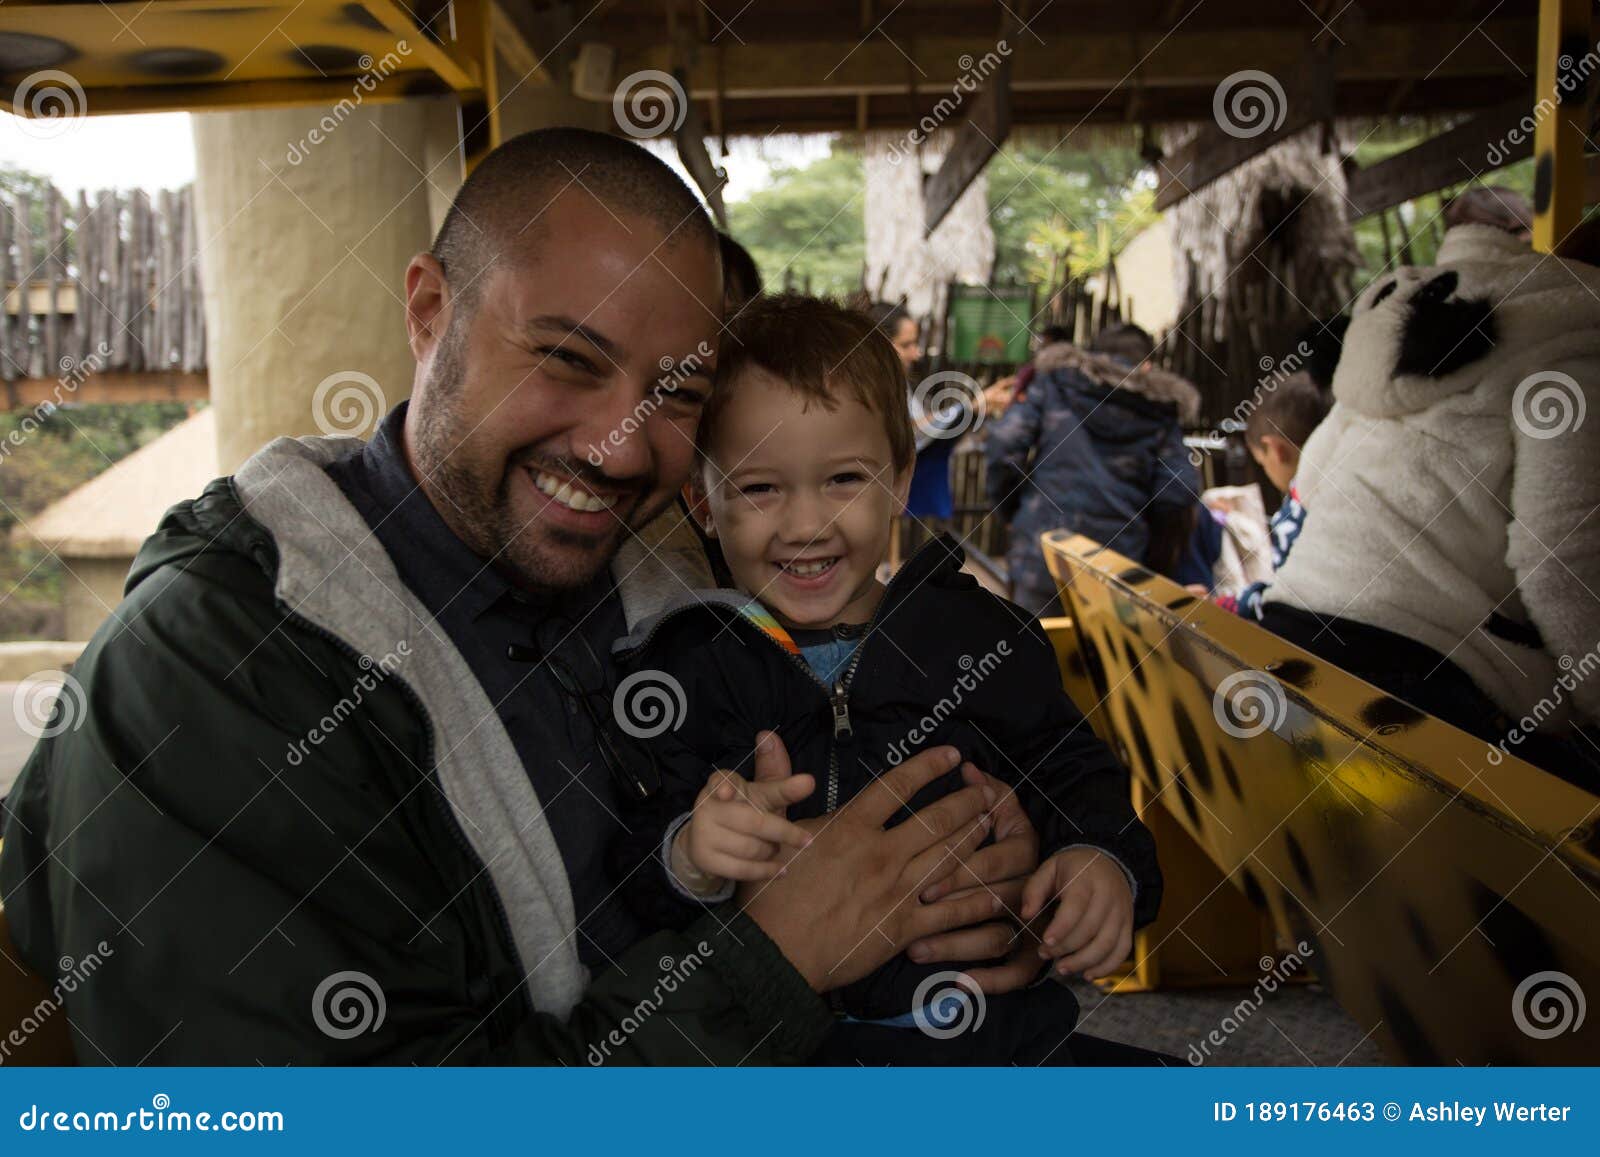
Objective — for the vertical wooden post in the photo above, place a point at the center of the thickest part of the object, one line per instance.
(479, 113)
(1565, 39)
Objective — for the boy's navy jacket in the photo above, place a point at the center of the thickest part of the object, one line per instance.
(942, 662)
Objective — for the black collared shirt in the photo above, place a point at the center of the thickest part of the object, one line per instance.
(484, 615)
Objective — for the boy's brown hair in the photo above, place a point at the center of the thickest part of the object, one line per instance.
(1292, 410)
(817, 347)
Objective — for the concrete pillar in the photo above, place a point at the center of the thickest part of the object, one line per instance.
(305, 232)
(306, 224)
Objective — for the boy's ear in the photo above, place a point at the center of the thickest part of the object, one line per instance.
(901, 487)
(699, 504)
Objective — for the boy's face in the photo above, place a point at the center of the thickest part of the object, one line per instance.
(802, 499)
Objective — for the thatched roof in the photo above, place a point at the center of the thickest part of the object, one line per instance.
(1286, 209)
(112, 513)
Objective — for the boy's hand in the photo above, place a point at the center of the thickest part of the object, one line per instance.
(1092, 931)
(738, 825)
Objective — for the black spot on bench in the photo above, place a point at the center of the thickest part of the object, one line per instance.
(1186, 797)
(1295, 672)
(358, 15)
(1404, 1027)
(1301, 865)
(1141, 750)
(1231, 774)
(327, 58)
(1387, 711)
(1516, 940)
(1420, 935)
(25, 52)
(1194, 751)
(1181, 602)
(177, 62)
(1135, 575)
(1252, 888)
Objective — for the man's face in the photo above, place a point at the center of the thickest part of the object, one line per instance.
(559, 416)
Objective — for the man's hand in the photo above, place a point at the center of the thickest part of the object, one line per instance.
(1092, 931)
(998, 870)
(849, 902)
(738, 825)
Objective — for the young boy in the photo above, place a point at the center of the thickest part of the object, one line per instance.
(1275, 433)
(807, 450)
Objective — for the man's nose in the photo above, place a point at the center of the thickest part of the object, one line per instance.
(613, 435)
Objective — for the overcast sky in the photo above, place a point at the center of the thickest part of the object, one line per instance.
(156, 151)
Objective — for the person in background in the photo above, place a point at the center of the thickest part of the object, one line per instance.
(1276, 431)
(1096, 446)
(741, 279)
(1494, 205)
(931, 500)
(1014, 388)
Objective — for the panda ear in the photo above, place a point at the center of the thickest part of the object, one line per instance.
(1441, 336)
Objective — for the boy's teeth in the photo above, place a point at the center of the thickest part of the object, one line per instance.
(809, 569)
(568, 495)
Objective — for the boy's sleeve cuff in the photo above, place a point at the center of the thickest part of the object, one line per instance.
(760, 977)
(723, 893)
(1133, 884)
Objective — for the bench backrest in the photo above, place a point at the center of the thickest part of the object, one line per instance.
(1449, 892)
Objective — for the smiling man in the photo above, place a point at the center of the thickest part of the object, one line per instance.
(347, 763)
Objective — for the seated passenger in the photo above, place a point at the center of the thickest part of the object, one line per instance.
(1095, 446)
(1452, 552)
(807, 451)
(1276, 431)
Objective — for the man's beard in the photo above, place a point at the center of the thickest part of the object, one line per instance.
(478, 508)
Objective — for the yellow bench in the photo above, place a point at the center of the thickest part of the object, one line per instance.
(1449, 900)
(33, 1030)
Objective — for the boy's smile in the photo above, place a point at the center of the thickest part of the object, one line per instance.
(802, 498)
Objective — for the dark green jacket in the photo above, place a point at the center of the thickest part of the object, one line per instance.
(279, 798)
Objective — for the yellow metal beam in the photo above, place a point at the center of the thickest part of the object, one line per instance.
(1566, 37)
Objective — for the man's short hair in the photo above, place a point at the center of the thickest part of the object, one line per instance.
(1124, 341)
(818, 348)
(1291, 411)
(499, 204)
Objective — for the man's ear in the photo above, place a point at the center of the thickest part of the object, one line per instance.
(428, 305)
(698, 501)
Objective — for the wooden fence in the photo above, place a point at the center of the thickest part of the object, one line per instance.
(102, 284)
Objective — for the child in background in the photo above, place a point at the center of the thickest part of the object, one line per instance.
(1275, 433)
(807, 451)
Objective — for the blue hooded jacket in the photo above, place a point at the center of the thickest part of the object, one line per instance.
(1095, 447)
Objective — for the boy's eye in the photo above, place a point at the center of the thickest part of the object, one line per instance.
(845, 478)
(755, 489)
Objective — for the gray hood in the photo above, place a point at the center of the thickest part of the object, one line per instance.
(335, 573)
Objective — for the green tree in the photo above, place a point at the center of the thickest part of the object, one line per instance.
(1055, 207)
(807, 224)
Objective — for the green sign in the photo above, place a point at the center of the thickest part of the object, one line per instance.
(989, 324)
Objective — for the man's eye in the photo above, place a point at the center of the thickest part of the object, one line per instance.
(683, 397)
(568, 357)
